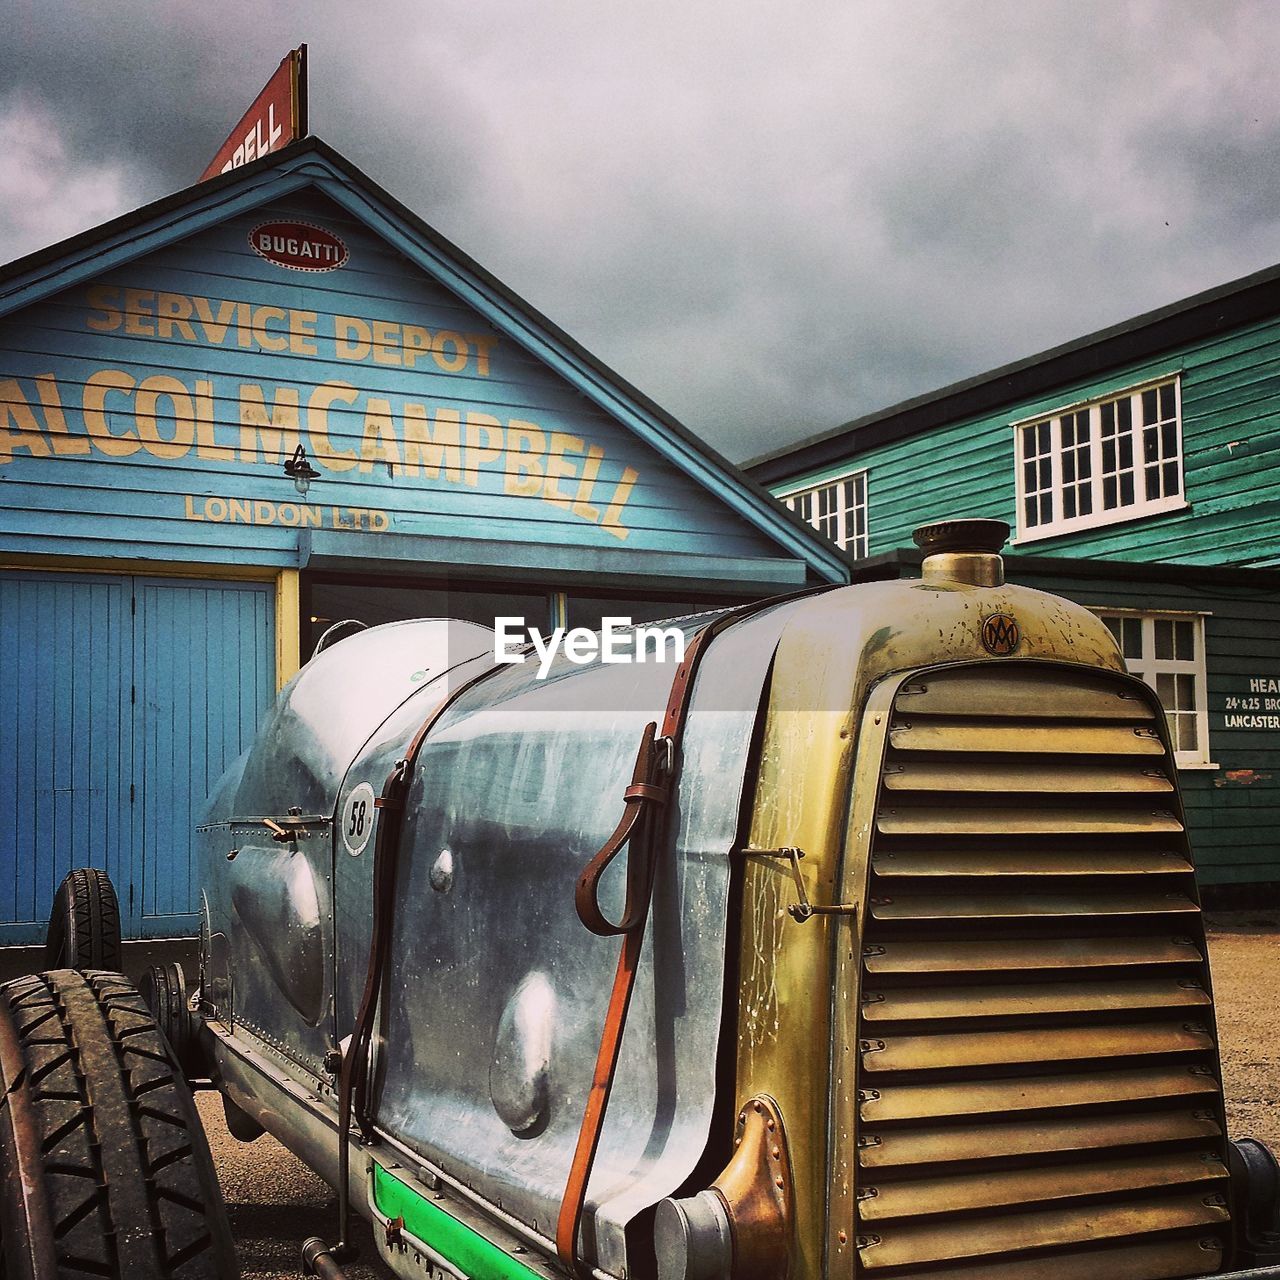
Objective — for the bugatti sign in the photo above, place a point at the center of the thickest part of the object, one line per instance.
(300, 246)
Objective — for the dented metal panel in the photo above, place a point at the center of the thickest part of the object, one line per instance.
(497, 993)
(273, 899)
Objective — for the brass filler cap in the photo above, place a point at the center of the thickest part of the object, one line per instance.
(965, 551)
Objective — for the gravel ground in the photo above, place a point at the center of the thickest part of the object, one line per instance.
(1244, 953)
(275, 1202)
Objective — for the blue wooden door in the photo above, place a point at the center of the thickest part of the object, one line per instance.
(205, 658)
(66, 650)
(122, 700)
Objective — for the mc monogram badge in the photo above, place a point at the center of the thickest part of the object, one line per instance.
(1000, 634)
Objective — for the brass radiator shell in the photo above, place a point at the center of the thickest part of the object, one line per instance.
(1025, 1075)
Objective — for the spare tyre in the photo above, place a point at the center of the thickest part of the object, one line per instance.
(84, 925)
(104, 1166)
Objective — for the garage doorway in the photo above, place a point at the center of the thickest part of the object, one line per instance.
(122, 701)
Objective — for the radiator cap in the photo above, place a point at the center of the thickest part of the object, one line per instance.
(962, 535)
(965, 551)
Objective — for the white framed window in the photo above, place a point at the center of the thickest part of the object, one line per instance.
(1100, 461)
(837, 509)
(1167, 651)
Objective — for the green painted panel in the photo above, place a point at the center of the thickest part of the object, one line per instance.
(1243, 875)
(466, 1249)
(1231, 405)
(1233, 811)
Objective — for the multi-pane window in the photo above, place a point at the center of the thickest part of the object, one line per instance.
(1116, 418)
(1077, 468)
(1161, 456)
(1111, 459)
(1167, 651)
(837, 510)
(1037, 473)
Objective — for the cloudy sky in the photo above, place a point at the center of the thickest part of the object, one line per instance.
(770, 217)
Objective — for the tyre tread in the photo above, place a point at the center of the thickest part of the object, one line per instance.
(84, 927)
(147, 1207)
(56, 1087)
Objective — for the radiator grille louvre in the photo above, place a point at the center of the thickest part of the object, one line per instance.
(1038, 1090)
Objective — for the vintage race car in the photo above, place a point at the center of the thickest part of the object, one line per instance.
(862, 940)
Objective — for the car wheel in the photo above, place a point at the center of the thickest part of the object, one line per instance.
(104, 1166)
(163, 987)
(84, 926)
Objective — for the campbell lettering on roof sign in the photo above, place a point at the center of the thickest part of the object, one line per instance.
(277, 117)
(300, 246)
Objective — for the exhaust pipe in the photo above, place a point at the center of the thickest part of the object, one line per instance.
(318, 1260)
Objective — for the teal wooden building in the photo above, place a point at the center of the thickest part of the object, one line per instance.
(1138, 469)
(166, 563)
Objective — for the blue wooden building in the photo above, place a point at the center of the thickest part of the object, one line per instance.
(162, 573)
(1137, 467)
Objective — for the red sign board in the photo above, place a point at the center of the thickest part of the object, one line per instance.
(277, 118)
(303, 246)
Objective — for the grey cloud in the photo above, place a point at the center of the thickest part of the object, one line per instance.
(770, 218)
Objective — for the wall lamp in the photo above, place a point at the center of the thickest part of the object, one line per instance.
(300, 470)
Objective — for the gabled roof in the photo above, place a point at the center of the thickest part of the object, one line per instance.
(1218, 310)
(312, 163)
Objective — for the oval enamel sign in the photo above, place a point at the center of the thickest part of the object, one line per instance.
(300, 246)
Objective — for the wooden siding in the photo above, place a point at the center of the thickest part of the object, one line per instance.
(204, 674)
(65, 759)
(122, 701)
(1233, 811)
(1231, 441)
(221, 497)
